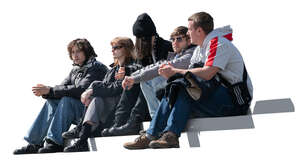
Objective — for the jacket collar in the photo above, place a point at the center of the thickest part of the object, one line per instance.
(87, 64)
(225, 32)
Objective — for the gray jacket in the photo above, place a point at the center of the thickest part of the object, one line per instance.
(151, 71)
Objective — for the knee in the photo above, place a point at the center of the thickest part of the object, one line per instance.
(66, 103)
(66, 99)
(97, 99)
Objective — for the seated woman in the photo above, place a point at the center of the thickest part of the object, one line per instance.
(63, 106)
(102, 97)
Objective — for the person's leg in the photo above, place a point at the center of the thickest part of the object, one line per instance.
(90, 120)
(38, 130)
(217, 105)
(133, 124)
(184, 105)
(127, 102)
(160, 119)
(149, 89)
(180, 113)
(159, 122)
(69, 111)
(98, 112)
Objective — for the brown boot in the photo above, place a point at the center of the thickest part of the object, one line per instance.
(142, 142)
(168, 140)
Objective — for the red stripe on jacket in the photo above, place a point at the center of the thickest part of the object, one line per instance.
(228, 36)
(212, 51)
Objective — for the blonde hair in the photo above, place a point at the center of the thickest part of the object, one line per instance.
(128, 46)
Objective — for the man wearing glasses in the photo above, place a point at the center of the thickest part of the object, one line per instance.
(180, 58)
(219, 58)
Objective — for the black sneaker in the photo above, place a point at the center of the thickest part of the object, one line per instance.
(51, 147)
(127, 129)
(29, 149)
(78, 146)
(73, 133)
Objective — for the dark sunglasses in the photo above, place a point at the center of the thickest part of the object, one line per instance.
(116, 47)
(178, 39)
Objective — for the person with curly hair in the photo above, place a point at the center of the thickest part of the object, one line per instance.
(63, 106)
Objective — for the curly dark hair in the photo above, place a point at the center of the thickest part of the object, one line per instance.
(83, 45)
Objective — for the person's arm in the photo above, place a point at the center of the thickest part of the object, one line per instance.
(109, 87)
(217, 59)
(75, 90)
(206, 73)
(50, 93)
(106, 89)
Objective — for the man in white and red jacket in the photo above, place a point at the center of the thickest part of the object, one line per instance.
(219, 60)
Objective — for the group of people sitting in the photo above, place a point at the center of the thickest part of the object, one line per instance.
(197, 73)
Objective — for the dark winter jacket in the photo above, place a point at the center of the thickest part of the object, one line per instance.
(109, 86)
(78, 80)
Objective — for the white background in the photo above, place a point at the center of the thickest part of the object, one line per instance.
(33, 40)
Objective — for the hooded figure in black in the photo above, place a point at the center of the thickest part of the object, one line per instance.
(150, 48)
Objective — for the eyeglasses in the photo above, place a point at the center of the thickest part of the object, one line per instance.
(178, 39)
(116, 47)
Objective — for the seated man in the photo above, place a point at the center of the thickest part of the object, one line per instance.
(63, 106)
(148, 76)
(220, 57)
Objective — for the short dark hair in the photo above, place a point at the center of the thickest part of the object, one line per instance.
(83, 45)
(180, 30)
(203, 20)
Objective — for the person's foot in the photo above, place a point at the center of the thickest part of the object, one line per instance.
(126, 129)
(73, 133)
(51, 147)
(78, 146)
(142, 142)
(167, 140)
(29, 149)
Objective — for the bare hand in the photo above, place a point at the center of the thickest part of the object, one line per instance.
(128, 82)
(166, 70)
(121, 73)
(86, 97)
(40, 90)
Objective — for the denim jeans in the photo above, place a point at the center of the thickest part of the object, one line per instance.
(55, 117)
(149, 89)
(175, 119)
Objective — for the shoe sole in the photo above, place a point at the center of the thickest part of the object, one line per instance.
(158, 146)
(134, 148)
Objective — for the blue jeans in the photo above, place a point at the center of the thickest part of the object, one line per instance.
(55, 118)
(175, 119)
(149, 89)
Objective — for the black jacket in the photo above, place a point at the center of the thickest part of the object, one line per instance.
(161, 50)
(78, 80)
(109, 86)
